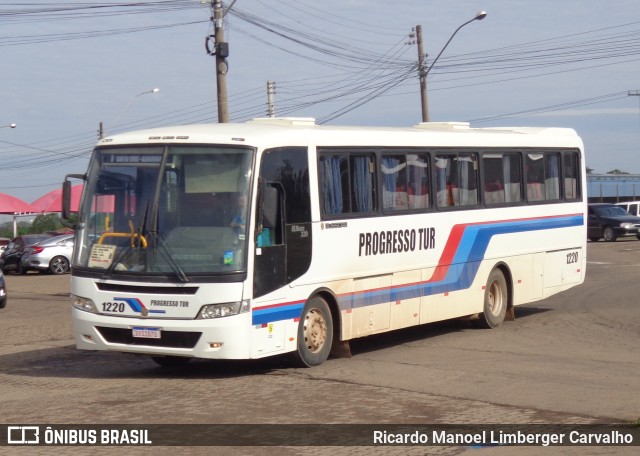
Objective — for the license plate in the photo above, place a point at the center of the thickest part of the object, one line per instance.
(146, 333)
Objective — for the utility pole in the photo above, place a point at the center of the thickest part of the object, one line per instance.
(271, 92)
(221, 52)
(422, 74)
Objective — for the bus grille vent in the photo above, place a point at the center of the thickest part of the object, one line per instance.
(169, 339)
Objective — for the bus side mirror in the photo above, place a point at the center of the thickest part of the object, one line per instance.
(66, 194)
(66, 200)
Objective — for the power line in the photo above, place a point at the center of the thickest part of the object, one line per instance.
(557, 107)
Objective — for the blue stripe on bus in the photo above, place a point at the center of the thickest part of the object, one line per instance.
(460, 274)
(277, 313)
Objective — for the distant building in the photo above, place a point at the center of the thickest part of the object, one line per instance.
(613, 188)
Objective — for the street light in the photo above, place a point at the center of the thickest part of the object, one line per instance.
(8, 126)
(126, 107)
(423, 74)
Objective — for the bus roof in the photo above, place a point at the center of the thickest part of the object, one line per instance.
(267, 132)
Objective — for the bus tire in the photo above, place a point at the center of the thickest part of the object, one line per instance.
(171, 361)
(315, 333)
(496, 299)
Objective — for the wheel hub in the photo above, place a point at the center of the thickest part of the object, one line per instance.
(315, 330)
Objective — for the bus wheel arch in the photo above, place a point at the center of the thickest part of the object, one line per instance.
(498, 298)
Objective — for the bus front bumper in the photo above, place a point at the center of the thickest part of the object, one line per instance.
(224, 338)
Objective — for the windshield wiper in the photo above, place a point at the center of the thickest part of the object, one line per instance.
(158, 241)
(166, 254)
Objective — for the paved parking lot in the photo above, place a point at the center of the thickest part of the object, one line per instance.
(574, 358)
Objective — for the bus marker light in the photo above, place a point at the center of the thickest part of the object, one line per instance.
(215, 344)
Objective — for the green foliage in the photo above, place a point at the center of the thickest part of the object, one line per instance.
(6, 229)
(617, 171)
(72, 221)
(46, 222)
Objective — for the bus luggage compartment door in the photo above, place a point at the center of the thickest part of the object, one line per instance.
(371, 307)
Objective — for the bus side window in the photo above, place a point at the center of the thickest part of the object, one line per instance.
(457, 179)
(571, 176)
(502, 177)
(405, 181)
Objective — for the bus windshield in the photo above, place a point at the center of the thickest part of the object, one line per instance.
(174, 210)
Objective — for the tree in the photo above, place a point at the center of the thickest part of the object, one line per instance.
(46, 222)
(617, 171)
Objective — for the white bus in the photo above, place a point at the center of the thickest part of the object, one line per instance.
(241, 241)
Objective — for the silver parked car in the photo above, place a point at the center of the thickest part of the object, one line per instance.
(51, 255)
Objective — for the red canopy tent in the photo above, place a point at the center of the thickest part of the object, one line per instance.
(12, 205)
(52, 201)
(16, 207)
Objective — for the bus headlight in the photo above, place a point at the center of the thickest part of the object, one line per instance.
(85, 304)
(222, 310)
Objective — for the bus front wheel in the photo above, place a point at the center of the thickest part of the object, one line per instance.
(495, 300)
(315, 333)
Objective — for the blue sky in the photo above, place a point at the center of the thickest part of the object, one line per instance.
(567, 63)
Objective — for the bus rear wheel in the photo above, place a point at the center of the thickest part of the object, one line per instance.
(315, 333)
(495, 301)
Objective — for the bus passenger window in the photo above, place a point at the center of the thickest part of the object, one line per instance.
(347, 183)
(535, 177)
(502, 178)
(418, 181)
(572, 176)
(405, 182)
(552, 176)
(543, 177)
(457, 179)
(394, 189)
